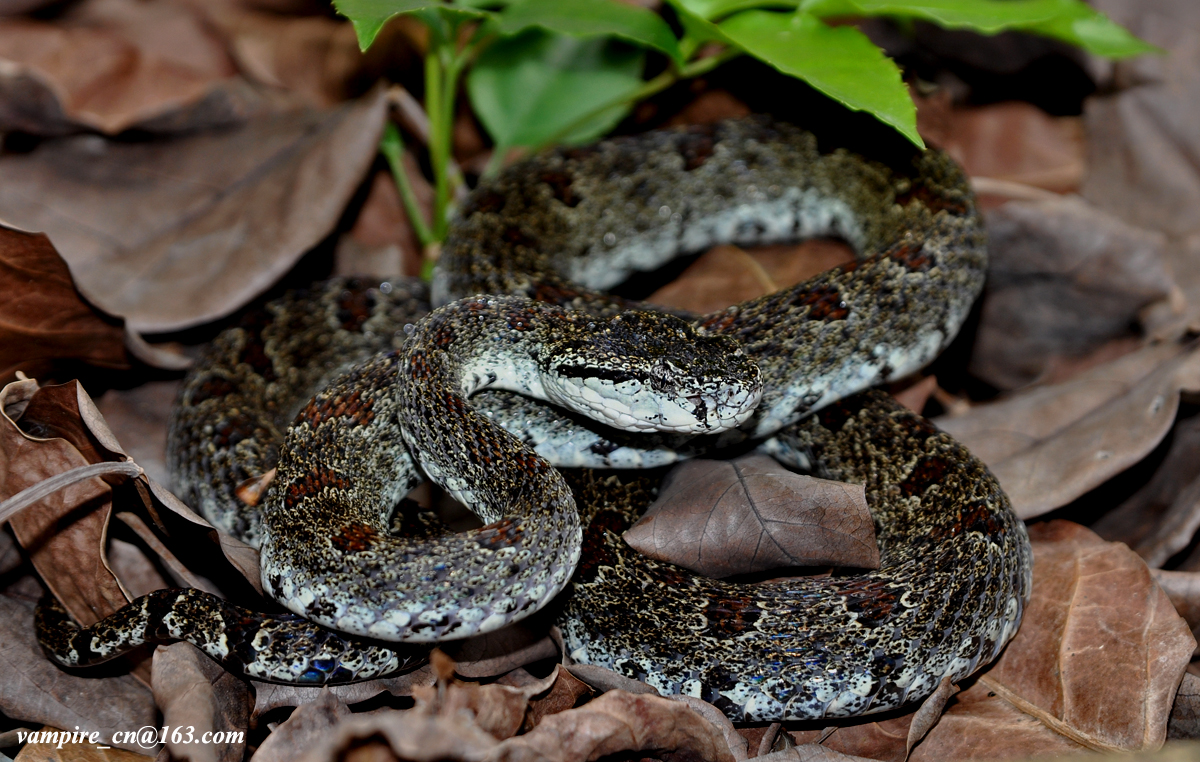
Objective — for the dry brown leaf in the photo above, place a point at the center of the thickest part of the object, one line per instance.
(751, 514)
(69, 555)
(978, 724)
(1101, 651)
(35, 691)
(199, 697)
(709, 107)
(49, 752)
(1012, 141)
(64, 533)
(604, 679)
(109, 65)
(133, 568)
(382, 243)
(495, 653)
(497, 708)
(1160, 519)
(173, 234)
(305, 727)
(619, 722)
(1063, 278)
(725, 275)
(411, 735)
(138, 419)
(810, 752)
(928, 714)
(1183, 590)
(1185, 712)
(313, 56)
(738, 746)
(566, 692)
(269, 696)
(915, 395)
(44, 318)
(1142, 141)
(1048, 445)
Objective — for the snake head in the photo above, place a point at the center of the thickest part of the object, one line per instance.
(647, 371)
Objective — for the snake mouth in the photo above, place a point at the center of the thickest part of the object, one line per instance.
(641, 403)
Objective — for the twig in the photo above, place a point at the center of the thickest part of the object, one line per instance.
(31, 495)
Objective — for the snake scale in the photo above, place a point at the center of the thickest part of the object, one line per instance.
(789, 372)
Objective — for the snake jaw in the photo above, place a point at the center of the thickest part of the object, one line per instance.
(634, 404)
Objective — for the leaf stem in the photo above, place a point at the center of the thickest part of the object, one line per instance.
(392, 148)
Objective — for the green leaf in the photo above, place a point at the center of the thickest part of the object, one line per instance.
(1068, 20)
(369, 16)
(839, 61)
(529, 88)
(713, 9)
(591, 18)
(987, 16)
(697, 30)
(1094, 32)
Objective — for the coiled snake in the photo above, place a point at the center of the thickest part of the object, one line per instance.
(540, 240)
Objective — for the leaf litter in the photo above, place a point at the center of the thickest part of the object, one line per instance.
(1100, 662)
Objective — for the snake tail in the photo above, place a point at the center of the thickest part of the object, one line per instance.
(282, 648)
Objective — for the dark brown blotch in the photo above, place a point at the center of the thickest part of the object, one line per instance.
(835, 416)
(730, 617)
(912, 256)
(353, 406)
(930, 470)
(930, 197)
(354, 538)
(980, 517)
(354, 308)
(484, 202)
(870, 601)
(696, 146)
(212, 387)
(561, 186)
(823, 303)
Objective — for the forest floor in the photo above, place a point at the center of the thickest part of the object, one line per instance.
(167, 166)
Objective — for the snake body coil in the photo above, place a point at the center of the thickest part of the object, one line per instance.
(552, 232)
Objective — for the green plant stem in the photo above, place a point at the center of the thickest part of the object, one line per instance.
(647, 89)
(438, 131)
(392, 148)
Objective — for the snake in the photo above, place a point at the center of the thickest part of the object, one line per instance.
(522, 312)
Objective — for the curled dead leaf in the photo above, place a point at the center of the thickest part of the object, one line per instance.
(497, 709)
(751, 514)
(42, 316)
(52, 437)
